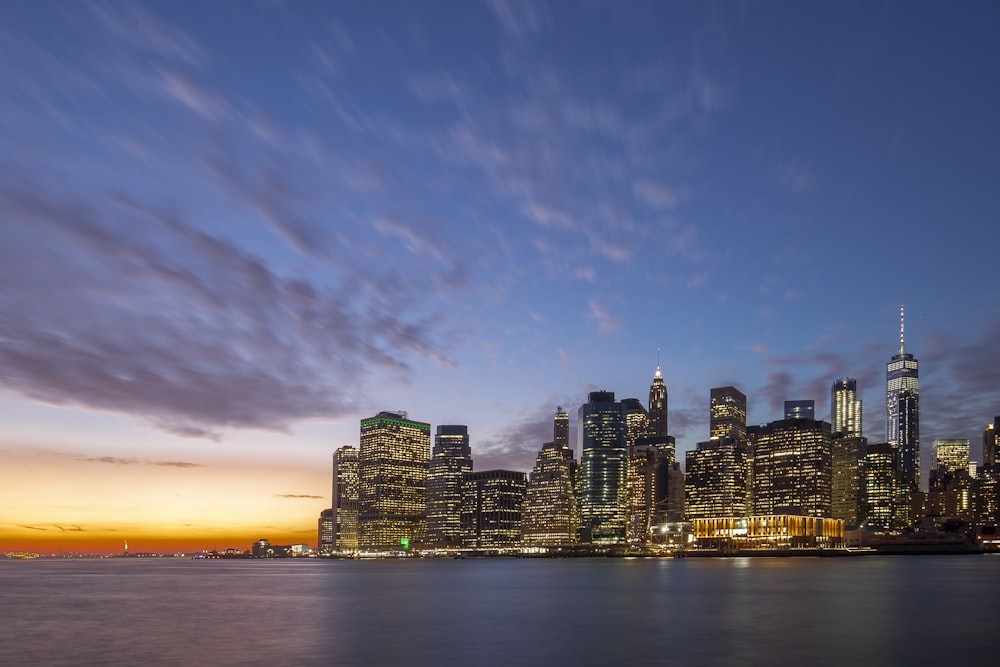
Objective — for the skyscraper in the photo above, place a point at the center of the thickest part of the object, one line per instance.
(392, 470)
(728, 413)
(658, 405)
(845, 408)
(804, 409)
(636, 420)
(886, 492)
(902, 405)
(450, 460)
(550, 513)
(991, 444)
(951, 455)
(847, 502)
(716, 480)
(602, 433)
(560, 428)
(344, 513)
(792, 468)
(492, 503)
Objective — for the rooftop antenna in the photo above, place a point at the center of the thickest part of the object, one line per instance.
(901, 330)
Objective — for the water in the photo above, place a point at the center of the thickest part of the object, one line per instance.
(912, 610)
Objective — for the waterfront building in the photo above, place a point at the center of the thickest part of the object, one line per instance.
(847, 501)
(987, 497)
(602, 441)
(902, 406)
(392, 469)
(346, 498)
(800, 409)
(658, 422)
(325, 533)
(792, 468)
(492, 505)
(887, 492)
(642, 477)
(845, 408)
(673, 501)
(781, 531)
(451, 458)
(728, 418)
(550, 513)
(560, 428)
(716, 480)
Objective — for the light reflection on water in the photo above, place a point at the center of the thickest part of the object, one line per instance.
(818, 611)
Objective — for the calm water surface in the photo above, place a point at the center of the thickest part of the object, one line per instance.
(858, 611)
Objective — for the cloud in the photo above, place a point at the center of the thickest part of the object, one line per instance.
(191, 94)
(516, 446)
(657, 195)
(130, 23)
(139, 312)
(519, 18)
(176, 464)
(113, 460)
(606, 323)
(297, 495)
(21, 525)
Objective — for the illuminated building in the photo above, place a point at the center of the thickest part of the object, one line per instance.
(951, 455)
(636, 420)
(642, 465)
(492, 503)
(792, 468)
(886, 492)
(658, 405)
(991, 444)
(845, 408)
(800, 409)
(848, 489)
(602, 438)
(392, 470)
(716, 480)
(325, 531)
(450, 460)
(768, 532)
(344, 512)
(673, 502)
(550, 515)
(560, 428)
(987, 497)
(728, 417)
(902, 405)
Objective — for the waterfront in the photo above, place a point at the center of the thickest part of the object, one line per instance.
(876, 610)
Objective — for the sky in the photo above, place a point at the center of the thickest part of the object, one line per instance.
(231, 230)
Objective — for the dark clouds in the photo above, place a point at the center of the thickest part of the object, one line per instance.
(516, 445)
(115, 305)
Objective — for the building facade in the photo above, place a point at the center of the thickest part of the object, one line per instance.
(394, 458)
(602, 436)
(847, 501)
(346, 498)
(846, 409)
(451, 459)
(728, 417)
(658, 414)
(793, 469)
(550, 512)
(492, 505)
(717, 480)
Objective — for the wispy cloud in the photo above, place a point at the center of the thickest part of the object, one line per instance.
(606, 323)
(792, 176)
(658, 195)
(295, 496)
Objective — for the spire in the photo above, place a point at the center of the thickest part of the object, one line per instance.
(900, 330)
(658, 375)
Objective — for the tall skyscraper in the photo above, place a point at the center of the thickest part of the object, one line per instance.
(636, 420)
(492, 504)
(848, 489)
(642, 491)
(886, 492)
(792, 468)
(392, 470)
(728, 413)
(344, 513)
(450, 460)
(902, 405)
(658, 405)
(804, 409)
(560, 428)
(845, 408)
(602, 437)
(550, 512)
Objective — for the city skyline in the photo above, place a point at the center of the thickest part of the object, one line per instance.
(230, 234)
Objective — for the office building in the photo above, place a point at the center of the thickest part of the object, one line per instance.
(991, 444)
(642, 492)
(451, 458)
(800, 409)
(845, 408)
(560, 428)
(346, 497)
(728, 418)
(902, 405)
(492, 505)
(325, 532)
(550, 512)
(392, 469)
(602, 441)
(848, 489)
(951, 455)
(792, 468)
(658, 424)
(887, 493)
(716, 480)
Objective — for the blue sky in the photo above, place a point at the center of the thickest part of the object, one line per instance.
(231, 230)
